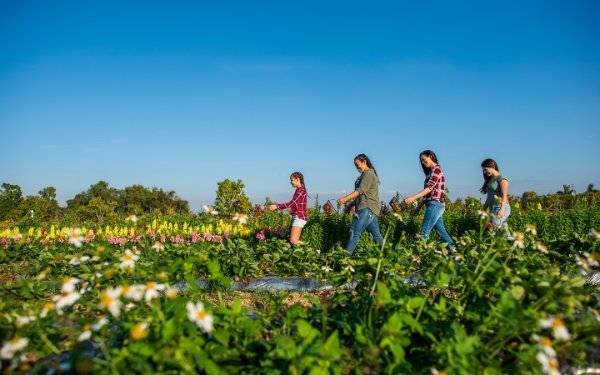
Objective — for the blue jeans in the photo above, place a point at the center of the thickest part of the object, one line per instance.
(363, 219)
(500, 222)
(433, 219)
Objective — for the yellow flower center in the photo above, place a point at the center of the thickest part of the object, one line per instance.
(106, 300)
(201, 314)
(557, 323)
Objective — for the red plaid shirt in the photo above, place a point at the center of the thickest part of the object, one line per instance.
(298, 204)
(437, 183)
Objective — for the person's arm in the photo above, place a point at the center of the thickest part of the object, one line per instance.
(348, 197)
(282, 206)
(421, 194)
(504, 192)
(433, 180)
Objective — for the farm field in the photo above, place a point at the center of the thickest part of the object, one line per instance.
(121, 296)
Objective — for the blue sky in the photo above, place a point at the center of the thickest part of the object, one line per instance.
(182, 95)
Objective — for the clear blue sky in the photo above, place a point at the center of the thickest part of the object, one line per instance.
(181, 95)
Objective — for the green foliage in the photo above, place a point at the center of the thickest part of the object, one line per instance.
(231, 198)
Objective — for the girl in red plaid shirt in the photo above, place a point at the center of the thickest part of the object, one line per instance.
(433, 198)
(297, 208)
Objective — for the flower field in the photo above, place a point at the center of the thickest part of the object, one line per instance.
(108, 297)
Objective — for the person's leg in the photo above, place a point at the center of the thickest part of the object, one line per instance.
(359, 223)
(295, 236)
(432, 213)
(373, 228)
(441, 230)
(500, 222)
(295, 231)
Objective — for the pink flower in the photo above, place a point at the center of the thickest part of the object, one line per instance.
(260, 236)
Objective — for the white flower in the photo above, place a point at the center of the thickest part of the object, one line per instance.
(530, 228)
(240, 218)
(519, 240)
(132, 218)
(539, 246)
(210, 210)
(398, 216)
(326, 268)
(198, 315)
(86, 334)
(128, 259)
(583, 262)
(482, 215)
(75, 237)
(559, 330)
(591, 259)
(158, 246)
(549, 364)
(69, 284)
(134, 292)
(110, 300)
(130, 306)
(349, 268)
(24, 320)
(48, 306)
(545, 344)
(11, 347)
(17, 237)
(65, 300)
(152, 290)
(77, 259)
(101, 322)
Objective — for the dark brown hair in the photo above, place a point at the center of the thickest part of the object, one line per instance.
(430, 154)
(365, 158)
(299, 176)
(487, 163)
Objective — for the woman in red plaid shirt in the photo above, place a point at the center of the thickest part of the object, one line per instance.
(297, 208)
(433, 198)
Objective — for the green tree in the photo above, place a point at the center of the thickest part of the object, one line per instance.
(43, 207)
(231, 198)
(10, 199)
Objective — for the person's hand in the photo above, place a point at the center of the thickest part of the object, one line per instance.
(341, 201)
(272, 207)
(500, 212)
(409, 200)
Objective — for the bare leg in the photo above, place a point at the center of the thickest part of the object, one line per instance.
(295, 236)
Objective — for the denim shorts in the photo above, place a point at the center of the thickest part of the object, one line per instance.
(296, 222)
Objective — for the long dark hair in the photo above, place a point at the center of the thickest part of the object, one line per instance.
(487, 163)
(431, 155)
(300, 177)
(363, 157)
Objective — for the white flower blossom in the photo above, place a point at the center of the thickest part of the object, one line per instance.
(559, 330)
(78, 259)
(128, 259)
(64, 300)
(240, 218)
(198, 315)
(9, 348)
(153, 290)
(75, 237)
(109, 300)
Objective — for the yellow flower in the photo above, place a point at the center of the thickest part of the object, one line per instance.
(139, 332)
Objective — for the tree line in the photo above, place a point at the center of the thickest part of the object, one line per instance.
(101, 202)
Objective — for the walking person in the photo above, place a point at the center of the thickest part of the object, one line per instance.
(495, 185)
(432, 197)
(297, 208)
(365, 199)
